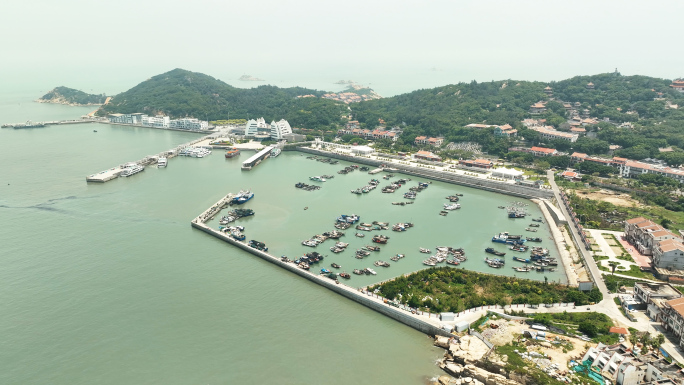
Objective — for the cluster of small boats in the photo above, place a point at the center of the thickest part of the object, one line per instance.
(372, 185)
(339, 247)
(194, 152)
(496, 263)
(443, 255)
(306, 260)
(402, 226)
(365, 251)
(257, 245)
(234, 215)
(323, 160)
(307, 187)
(366, 271)
(397, 257)
(320, 238)
(348, 169)
(372, 226)
(234, 231)
(402, 203)
(452, 205)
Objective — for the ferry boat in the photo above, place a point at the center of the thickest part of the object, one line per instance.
(233, 152)
(317, 179)
(131, 169)
(242, 197)
(161, 162)
(275, 152)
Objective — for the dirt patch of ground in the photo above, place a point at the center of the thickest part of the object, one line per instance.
(615, 198)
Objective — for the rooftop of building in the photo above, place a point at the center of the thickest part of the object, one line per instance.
(658, 289)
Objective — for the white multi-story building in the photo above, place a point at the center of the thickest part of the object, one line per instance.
(279, 129)
(126, 118)
(251, 128)
(158, 121)
(189, 124)
(669, 254)
(261, 123)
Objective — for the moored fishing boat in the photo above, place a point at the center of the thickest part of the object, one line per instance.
(345, 275)
(232, 152)
(491, 250)
(242, 197)
(424, 250)
(162, 162)
(336, 266)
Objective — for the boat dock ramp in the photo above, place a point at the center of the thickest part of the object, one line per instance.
(429, 324)
(115, 172)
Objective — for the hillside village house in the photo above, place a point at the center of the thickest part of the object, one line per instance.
(505, 130)
(571, 176)
(548, 132)
(435, 142)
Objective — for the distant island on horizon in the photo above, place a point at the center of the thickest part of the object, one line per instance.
(250, 78)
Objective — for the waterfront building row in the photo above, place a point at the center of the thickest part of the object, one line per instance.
(159, 121)
(370, 134)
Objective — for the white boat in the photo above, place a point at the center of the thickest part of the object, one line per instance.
(317, 179)
(424, 250)
(161, 162)
(452, 206)
(131, 169)
(371, 271)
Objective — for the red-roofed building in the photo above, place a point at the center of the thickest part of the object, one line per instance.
(477, 163)
(543, 151)
(618, 330)
(571, 175)
(427, 155)
(678, 84)
(435, 142)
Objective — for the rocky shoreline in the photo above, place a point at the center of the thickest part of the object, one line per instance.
(471, 362)
(65, 102)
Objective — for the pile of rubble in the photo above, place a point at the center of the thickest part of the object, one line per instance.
(496, 328)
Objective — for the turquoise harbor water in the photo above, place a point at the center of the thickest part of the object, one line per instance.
(109, 284)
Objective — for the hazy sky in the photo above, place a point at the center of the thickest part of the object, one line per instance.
(396, 46)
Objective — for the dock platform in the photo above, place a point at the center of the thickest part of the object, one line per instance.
(104, 176)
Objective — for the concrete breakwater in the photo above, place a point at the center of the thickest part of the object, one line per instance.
(463, 180)
(429, 325)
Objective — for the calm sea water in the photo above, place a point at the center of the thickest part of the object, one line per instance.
(109, 284)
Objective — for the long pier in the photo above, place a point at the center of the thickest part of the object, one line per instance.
(429, 325)
(115, 172)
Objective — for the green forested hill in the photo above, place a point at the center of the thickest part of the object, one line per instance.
(180, 93)
(66, 95)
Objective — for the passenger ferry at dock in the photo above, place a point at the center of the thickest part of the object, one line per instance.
(161, 162)
(132, 169)
(275, 152)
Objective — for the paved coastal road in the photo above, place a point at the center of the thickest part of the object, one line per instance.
(586, 255)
